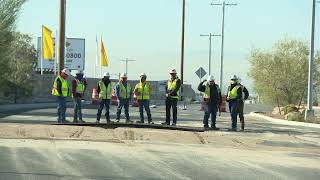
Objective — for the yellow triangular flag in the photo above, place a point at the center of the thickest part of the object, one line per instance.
(47, 44)
(103, 55)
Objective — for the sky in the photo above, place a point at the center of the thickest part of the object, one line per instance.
(149, 31)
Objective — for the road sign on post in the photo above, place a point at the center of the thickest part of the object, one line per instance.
(201, 73)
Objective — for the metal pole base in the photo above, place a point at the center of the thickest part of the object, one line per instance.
(309, 114)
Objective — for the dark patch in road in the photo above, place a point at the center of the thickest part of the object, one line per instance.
(288, 144)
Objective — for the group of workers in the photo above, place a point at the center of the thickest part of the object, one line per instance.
(212, 98)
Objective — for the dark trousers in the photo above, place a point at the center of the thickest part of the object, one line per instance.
(171, 103)
(61, 108)
(104, 103)
(210, 109)
(144, 104)
(123, 103)
(77, 108)
(234, 113)
(240, 111)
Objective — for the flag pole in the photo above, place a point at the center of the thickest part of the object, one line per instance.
(55, 53)
(41, 59)
(100, 60)
(97, 49)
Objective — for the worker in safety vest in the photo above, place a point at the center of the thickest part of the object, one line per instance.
(104, 90)
(78, 89)
(172, 96)
(142, 91)
(124, 95)
(244, 96)
(212, 99)
(61, 91)
(233, 97)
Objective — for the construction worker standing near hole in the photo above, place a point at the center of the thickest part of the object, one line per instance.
(172, 94)
(78, 89)
(244, 96)
(61, 91)
(212, 100)
(105, 93)
(233, 98)
(142, 91)
(124, 95)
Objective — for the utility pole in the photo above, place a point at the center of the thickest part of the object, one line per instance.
(182, 45)
(309, 111)
(210, 35)
(127, 61)
(62, 35)
(224, 4)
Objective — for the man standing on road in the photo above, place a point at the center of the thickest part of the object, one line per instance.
(212, 99)
(233, 97)
(124, 93)
(244, 96)
(142, 91)
(105, 93)
(61, 91)
(172, 94)
(78, 89)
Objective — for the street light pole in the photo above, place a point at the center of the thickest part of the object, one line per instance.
(62, 35)
(309, 111)
(127, 61)
(210, 35)
(224, 4)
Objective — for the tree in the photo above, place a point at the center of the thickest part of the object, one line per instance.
(280, 75)
(23, 55)
(9, 10)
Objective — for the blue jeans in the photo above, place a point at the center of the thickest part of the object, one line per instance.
(123, 103)
(146, 105)
(234, 113)
(62, 108)
(77, 108)
(210, 109)
(104, 103)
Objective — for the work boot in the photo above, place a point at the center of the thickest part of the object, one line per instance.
(174, 124)
(75, 121)
(128, 121)
(140, 122)
(118, 120)
(215, 128)
(82, 121)
(98, 122)
(150, 122)
(165, 123)
(206, 127)
(233, 129)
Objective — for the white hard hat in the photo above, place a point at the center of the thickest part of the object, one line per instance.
(210, 78)
(106, 74)
(143, 74)
(173, 71)
(123, 75)
(234, 77)
(65, 71)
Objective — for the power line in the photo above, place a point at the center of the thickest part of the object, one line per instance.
(224, 4)
(210, 35)
(127, 61)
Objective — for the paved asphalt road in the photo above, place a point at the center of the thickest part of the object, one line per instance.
(265, 151)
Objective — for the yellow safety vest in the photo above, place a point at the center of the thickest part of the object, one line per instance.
(206, 93)
(172, 86)
(125, 92)
(64, 87)
(105, 92)
(80, 87)
(233, 93)
(143, 91)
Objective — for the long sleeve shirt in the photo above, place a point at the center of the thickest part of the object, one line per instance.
(117, 89)
(74, 88)
(174, 92)
(59, 84)
(215, 94)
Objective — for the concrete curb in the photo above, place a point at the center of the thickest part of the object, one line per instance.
(284, 122)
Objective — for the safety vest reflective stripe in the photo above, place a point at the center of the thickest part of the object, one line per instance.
(80, 86)
(172, 86)
(143, 91)
(233, 93)
(206, 93)
(105, 92)
(125, 92)
(64, 87)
